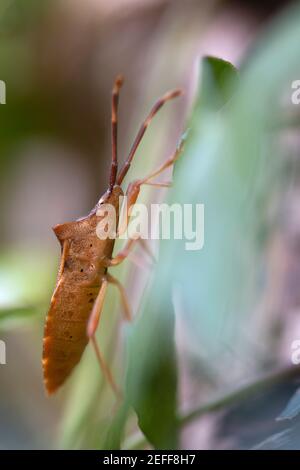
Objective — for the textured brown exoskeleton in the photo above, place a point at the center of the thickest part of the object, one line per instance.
(83, 278)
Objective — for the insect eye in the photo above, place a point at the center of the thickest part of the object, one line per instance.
(91, 245)
(81, 270)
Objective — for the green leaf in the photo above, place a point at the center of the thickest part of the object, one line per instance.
(230, 164)
(152, 372)
(116, 430)
(218, 81)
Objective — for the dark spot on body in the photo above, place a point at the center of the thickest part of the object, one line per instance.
(91, 301)
(81, 270)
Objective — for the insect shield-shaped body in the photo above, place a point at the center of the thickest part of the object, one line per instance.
(79, 295)
(78, 284)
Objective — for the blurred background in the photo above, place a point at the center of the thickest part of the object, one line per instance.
(59, 60)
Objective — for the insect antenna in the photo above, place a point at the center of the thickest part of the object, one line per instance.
(114, 131)
(159, 103)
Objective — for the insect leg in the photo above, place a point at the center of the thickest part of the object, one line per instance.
(91, 333)
(114, 130)
(168, 96)
(125, 303)
(168, 184)
(123, 254)
(168, 163)
(137, 261)
(132, 194)
(146, 248)
(133, 189)
(126, 251)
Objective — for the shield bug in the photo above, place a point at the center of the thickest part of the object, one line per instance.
(83, 276)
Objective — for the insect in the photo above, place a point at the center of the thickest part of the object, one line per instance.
(83, 276)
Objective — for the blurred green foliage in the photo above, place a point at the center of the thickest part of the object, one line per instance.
(230, 165)
(24, 286)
